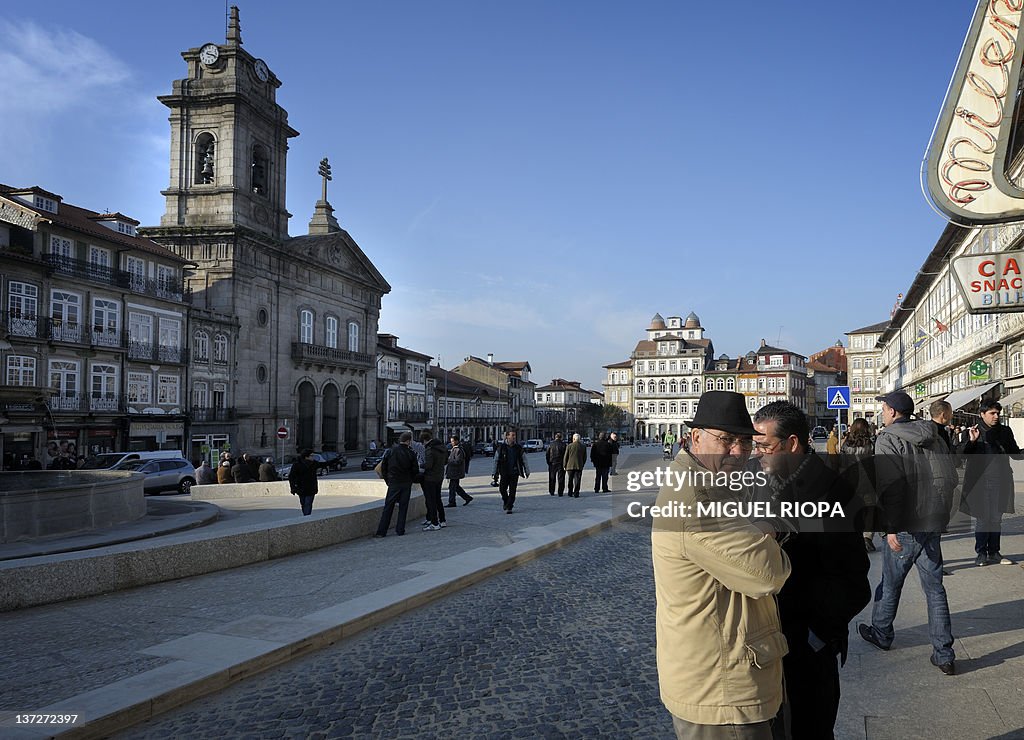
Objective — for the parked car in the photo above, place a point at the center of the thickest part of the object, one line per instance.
(533, 445)
(370, 461)
(819, 433)
(478, 448)
(110, 460)
(163, 475)
(335, 460)
(488, 450)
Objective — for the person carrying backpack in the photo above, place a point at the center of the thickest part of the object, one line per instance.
(915, 478)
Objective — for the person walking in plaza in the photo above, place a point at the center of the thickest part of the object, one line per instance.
(303, 481)
(555, 456)
(719, 641)
(601, 457)
(400, 469)
(915, 480)
(857, 468)
(988, 481)
(670, 442)
(435, 461)
(205, 475)
(829, 582)
(613, 442)
(458, 463)
(574, 461)
(509, 466)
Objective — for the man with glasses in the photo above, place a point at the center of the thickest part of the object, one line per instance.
(829, 584)
(719, 644)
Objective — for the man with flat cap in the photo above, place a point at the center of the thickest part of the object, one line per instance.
(719, 641)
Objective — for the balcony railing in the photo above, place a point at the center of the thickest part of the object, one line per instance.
(149, 352)
(319, 354)
(106, 402)
(19, 324)
(71, 402)
(201, 414)
(120, 278)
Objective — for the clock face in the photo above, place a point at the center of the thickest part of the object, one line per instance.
(209, 54)
(260, 68)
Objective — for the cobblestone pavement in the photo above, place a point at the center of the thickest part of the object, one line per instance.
(560, 647)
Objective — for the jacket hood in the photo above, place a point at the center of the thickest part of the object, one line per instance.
(921, 433)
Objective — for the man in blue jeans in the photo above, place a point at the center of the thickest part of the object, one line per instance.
(915, 479)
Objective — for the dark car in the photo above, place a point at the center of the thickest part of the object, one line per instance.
(370, 461)
(335, 460)
(163, 475)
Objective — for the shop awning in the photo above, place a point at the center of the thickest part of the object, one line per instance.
(19, 429)
(965, 396)
(421, 427)
(397, 426)
(1014, 396)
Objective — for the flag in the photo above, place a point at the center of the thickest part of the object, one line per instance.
(922, 337)
(939, 326)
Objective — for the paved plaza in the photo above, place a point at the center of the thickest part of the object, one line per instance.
(558, 645)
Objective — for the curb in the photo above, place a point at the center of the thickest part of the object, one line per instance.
(207, 662)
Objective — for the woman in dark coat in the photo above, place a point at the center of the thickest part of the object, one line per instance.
(302, 479)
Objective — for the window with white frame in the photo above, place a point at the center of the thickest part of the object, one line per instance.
(1015, 363)
(353, 336)
(695, 386)
(782, 384)
(140, 388)
(61, 248)
(22, 300)
(140, 328)
(856, 364)
(662, 386)
(661, 408)
(306, 326)
(332, 332)
(65, 315)
(136, 269)
(672, 408)
(21, 370)
(673, 387)
(201, 346)
(103, 380)
(167, 389)
(99, 257)
(220, 395)
(771, 384)
(709, 385)
(170, 333)
(106, 319)
(639, 386)
(776, 361)
(166, 278)
(220, 349)
(730, 384)
(64, 378)
(720, 384)
(684, 408)
(200, 395)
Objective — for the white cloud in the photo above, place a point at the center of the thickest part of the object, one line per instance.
(47, 71)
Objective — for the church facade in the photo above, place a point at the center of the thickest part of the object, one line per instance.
(296, 317)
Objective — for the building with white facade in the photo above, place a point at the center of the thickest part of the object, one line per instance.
(402, 399)
(864, 372)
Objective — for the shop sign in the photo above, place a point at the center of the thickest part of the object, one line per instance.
(992, 282)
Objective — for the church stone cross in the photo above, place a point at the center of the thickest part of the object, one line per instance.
(325, 173)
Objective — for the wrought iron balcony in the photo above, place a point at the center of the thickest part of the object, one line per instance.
(149, 352)
(318, 354)
(106, 402)
(21, 324)
(201, 414)
(157, 288)
(70, 402)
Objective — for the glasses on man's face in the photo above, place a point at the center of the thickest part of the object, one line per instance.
(730, 441)
(766, 448)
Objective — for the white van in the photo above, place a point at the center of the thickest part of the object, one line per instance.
(108, 460)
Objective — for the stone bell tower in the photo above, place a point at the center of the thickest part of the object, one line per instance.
(229, 142)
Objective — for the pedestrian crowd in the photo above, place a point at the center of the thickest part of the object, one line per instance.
(754, 614)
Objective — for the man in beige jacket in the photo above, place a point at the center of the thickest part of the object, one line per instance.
(720, 645)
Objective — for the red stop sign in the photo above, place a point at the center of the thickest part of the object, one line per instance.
(282, 432)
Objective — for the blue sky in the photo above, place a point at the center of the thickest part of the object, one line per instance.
(536, 178)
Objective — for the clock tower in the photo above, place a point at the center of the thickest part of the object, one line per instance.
(229, 142)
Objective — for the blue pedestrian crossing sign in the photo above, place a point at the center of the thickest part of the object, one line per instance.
(838, 396)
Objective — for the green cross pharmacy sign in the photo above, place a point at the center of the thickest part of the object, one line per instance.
(979, 370)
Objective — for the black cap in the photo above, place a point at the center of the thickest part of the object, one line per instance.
(898, 401)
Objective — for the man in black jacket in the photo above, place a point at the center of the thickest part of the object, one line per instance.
(302, 480)
(556, 466)
(509, 466)
(400, 468)
(601, 456)
(829, 582)
(988, 481)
